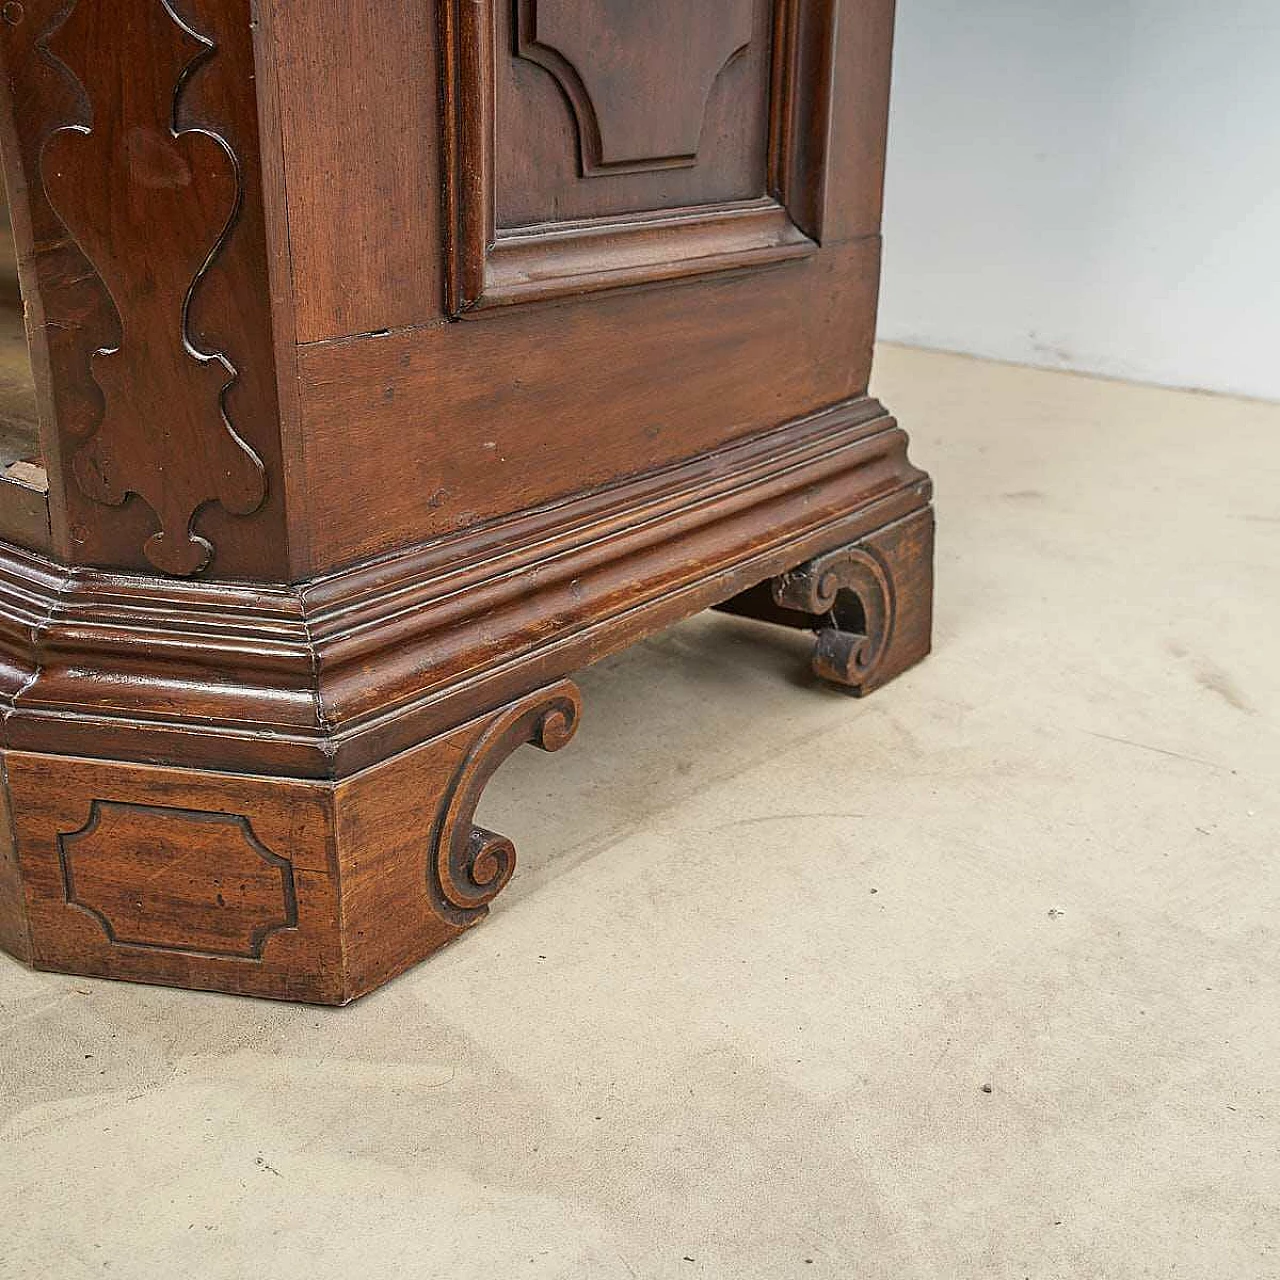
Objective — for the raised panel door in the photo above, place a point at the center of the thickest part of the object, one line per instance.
(637, 266)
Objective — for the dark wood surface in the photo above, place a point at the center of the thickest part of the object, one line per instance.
(609, 58)
(611, 107)
(176, 925)
(361, 254)
(540, 206)
(162, 436)
(394, 360)
(15, 937)
(324, 679)
(483, 419)
(869, 604)
(142, 254)
(322, 890)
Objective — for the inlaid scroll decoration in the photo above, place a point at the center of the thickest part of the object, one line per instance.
(637, 73)
(151, 204)
(467, 866)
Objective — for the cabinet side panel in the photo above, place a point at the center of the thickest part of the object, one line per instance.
(357, 85)
(588, 351)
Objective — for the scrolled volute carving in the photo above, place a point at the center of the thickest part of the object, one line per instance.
(468, 866)
(852, 590)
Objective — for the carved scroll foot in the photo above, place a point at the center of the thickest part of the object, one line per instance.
(870, 604)
(299, 889)
(468, 866)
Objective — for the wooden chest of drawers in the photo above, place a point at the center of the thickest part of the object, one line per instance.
(394, 359)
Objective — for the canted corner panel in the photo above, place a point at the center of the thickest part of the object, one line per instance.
(637, 73)
(151, 206)
(638, 76)
(180, 880)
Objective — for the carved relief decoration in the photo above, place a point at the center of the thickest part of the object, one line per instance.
(638, 76)
(606, 54)
(177, 880)
(467, 866)
(115, 181)
(852, 591)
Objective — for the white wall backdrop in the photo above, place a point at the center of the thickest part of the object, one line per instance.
(1089, 184)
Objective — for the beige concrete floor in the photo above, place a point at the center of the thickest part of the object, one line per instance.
(735, 1015)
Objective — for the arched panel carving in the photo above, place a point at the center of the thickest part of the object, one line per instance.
(639, 76)
(637, 73)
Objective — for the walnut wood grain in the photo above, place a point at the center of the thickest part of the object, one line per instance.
(806, 329)
(330, 677)
(357, 265)
(576, 259)
(416, 870)
(316, 892)
(15, 938)
(354, 86)
(468, 866)
(539, 169)
(204, 834)
(177, 879)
